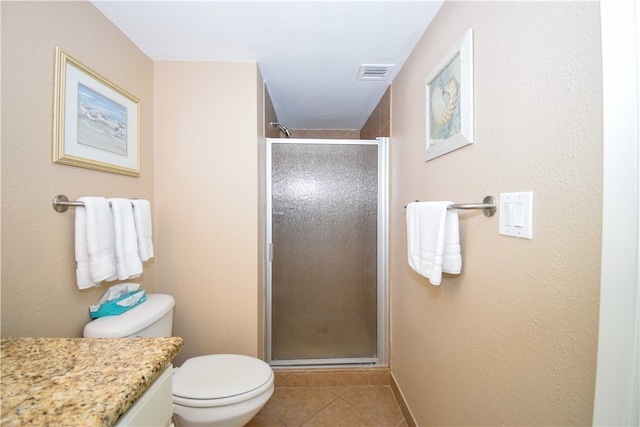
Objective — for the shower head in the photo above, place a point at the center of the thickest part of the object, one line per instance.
(282, 127)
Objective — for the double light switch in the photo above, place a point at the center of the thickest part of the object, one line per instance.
(516, 214)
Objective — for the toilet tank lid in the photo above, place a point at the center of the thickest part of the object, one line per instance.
(132, 321)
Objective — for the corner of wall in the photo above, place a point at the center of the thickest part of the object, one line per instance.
(379, 122)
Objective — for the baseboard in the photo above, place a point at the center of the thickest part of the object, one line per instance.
(332, 377)
(406, 412)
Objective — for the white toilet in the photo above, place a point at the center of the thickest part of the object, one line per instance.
(213, 390)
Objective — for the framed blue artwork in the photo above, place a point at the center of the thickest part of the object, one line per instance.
(449, 101)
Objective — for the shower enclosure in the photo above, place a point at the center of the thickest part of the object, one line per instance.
(327, 286)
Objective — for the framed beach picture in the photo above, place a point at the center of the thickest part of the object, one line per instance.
(449, 101)
(96, 124)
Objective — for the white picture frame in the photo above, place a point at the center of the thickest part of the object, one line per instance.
(449, 101)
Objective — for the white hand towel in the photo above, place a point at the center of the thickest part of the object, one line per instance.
(83, 272)
(142, 218)
(99, 240)
(451, 257)
(128, 263)
(433, 240)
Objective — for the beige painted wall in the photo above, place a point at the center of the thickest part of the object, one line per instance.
(39, 292)
(208, 117)
(511, 340)
(208, 161)
(266, 115)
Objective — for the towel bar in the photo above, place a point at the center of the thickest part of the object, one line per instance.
(488, 206)
(61, 203)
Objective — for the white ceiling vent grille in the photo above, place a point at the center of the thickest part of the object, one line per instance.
(378, 72)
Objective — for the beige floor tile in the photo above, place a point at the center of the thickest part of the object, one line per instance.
(338, 391)
(377, 402)
(339, 378)
(293, 379)
(341, 413)
(264, 420)
(295, 405)
(379, 377)
(333, 405)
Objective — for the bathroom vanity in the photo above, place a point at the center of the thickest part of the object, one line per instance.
(86, 381)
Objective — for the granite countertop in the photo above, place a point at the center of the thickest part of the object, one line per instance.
(77, 381)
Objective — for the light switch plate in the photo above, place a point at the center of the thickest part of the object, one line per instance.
(515, 214)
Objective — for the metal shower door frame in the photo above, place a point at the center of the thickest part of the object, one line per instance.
(382, 287)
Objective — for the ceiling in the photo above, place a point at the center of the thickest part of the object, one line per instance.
(308, 52)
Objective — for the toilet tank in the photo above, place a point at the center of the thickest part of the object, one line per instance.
(152, 318)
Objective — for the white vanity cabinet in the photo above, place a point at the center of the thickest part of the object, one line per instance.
(155, 406)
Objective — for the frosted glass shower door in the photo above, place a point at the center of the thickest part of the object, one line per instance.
(324, 252)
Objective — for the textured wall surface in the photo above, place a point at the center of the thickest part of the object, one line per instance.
(207, 119)
(39, 292)
(511, 340)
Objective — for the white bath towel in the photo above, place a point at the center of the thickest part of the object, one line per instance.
(142, 218)
(128, 263)
(433, 240)
(94, 242)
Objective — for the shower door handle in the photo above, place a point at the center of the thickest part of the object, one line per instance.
(270, 254)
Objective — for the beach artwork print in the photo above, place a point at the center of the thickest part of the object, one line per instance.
(96, 123)
(102, 123)
(444, 120)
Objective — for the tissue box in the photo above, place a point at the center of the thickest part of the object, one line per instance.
(112, 308)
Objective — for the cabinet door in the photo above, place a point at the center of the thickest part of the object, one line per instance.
(155, 406)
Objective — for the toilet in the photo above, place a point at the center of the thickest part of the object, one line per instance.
(211, 390)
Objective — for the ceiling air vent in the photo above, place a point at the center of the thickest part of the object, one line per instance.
(374, 72)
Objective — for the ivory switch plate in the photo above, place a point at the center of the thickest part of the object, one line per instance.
(515, 214)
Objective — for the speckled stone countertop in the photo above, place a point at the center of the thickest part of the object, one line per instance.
(77, 381)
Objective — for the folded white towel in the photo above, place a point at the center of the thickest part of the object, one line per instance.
(99, 241)
(142, 218)
(128, 263)
(433, 240)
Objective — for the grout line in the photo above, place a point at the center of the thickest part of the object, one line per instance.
(319, 411)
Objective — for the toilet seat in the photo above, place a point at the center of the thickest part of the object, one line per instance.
(220, 379)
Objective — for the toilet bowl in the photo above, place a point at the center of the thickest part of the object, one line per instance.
(220, 390)
(212, 390)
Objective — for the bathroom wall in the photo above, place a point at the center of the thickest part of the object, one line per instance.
(208, 117)
(270, 116)
(325, 133)
(39, 292)
(511, 340)
(379, 122)
(268, 131)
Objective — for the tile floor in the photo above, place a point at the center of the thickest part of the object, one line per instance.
(329, 398)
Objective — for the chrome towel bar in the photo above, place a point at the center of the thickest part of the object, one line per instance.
(61, 203)
(488, 206)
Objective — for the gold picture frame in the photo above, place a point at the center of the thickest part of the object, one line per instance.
(96, 123)
(449, 101)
